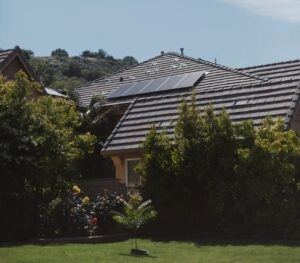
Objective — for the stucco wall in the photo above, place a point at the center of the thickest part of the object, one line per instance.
(120, 165)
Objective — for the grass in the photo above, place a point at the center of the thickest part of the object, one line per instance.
(173, 251)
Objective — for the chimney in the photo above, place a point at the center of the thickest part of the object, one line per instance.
(162, 52)
(121, 79)
(181, 51)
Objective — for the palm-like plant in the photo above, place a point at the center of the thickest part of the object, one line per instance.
(136, 213)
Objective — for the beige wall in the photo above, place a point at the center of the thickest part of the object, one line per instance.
(120, 165)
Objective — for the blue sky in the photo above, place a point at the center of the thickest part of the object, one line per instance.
(235, 32)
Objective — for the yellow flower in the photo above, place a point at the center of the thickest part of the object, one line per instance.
(76, 189)
(85, 200)
(55, 202)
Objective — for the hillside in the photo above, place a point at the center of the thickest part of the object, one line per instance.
(62, 72)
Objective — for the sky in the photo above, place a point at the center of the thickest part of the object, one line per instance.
(238, 33)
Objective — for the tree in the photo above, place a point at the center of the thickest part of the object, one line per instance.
(66, 85)
(266, 183)
(73, 70)
(27, 53)
(43, 71)
(87, 54)
(217, 176)
(136, 214)
(59, 52)
(130, 60)
(101, 53)
(39, 143)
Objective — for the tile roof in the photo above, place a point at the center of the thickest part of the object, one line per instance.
(275, 70)
(257, 101)
(6, 56)
(161, 66)
(246, 93)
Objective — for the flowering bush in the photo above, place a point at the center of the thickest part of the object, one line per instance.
(70, 214)
(104, 205)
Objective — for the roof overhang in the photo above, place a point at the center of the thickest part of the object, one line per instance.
(120, 152)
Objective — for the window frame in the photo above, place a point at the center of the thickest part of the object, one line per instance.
(126, 171)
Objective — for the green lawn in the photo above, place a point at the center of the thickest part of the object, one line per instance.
(173, 251)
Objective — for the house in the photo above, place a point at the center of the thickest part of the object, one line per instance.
(12, 61)
(150, 92)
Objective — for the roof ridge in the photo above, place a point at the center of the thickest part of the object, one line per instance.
(217, 65)
(270, 64)
(6, 50)
(9, 55)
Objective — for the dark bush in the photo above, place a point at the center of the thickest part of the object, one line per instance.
(104, 205)
(17, 215)
(70, 214)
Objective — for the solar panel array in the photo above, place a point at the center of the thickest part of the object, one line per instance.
(170, 83)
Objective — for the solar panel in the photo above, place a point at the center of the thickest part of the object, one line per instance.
(155, 84)
(181, 81)
(171, 83)
(191, 79)
(120, 91)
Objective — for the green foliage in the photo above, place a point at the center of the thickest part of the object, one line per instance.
(39, 142)
(66, 85)
(216, 176)
(59, 52)
(73, 70)
(43, 70)
(104, 204)
(136, 213)
(69, 214)
(266, 185)
(158, 170)
(27, 53)
(62, 72)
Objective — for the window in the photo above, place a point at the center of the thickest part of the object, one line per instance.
(132, 178)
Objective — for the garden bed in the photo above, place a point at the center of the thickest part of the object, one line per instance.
(84, 240)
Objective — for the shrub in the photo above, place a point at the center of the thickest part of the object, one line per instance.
(103, 206)
(70, 214)
(16, 216)
(220, 178)
(136, 213)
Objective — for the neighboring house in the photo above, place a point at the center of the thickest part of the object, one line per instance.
(12, 61)
(150, 92)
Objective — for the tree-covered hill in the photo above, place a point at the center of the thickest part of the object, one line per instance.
(62, 72)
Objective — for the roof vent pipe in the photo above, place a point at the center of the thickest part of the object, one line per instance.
(181, 51)
(162, 52)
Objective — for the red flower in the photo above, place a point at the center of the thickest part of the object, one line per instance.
(94, 221)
